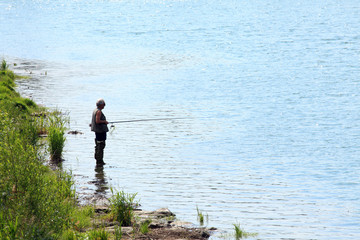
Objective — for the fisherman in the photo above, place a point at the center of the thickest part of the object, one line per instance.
(99, 126)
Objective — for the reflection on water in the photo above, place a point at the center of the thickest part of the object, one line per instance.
(100, 182)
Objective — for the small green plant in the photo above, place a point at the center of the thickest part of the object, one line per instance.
(144, 226)
(81, 217)
(118, 233)
(122, 207)
(98, 234)
(241, 234)
(10, 229)
(201, 217)
(71, 235)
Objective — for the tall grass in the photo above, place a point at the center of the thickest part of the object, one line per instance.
(122, 207)
(56, 134)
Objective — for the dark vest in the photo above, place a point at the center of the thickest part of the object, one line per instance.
(98, 128)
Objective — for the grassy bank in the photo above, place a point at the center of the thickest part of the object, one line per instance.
(35, 202)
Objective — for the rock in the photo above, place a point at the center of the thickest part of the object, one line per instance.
(75, 132)
(162, 213)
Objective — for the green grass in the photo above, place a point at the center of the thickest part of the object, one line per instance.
(56, 139)
(82, 217)
(144, 227)
(98, 234)
(56, 134)
(122, 206)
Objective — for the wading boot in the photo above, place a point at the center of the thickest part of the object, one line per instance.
(99, 152)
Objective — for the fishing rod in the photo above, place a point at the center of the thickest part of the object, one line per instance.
(148, 119)
(143, 120)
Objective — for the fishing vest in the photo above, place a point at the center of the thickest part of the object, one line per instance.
(98, 128)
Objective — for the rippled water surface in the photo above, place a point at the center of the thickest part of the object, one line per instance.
(268, 93)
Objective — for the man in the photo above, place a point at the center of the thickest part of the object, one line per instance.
(99, 126)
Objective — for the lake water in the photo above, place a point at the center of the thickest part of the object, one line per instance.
(268, 92)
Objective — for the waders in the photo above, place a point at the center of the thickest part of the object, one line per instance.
(99, 152)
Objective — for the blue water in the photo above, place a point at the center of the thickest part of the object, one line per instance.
(268, 90)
